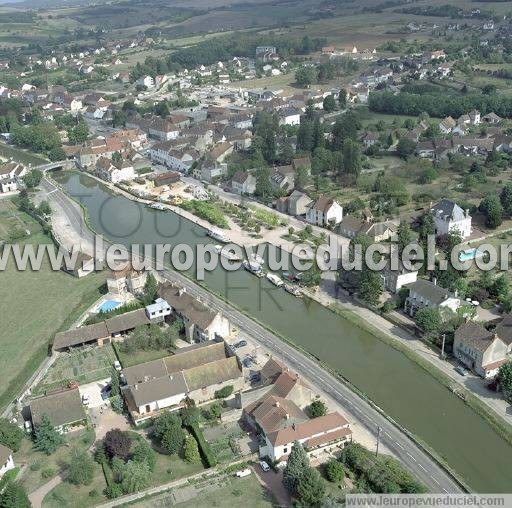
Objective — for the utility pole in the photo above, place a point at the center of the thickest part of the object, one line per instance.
(442, 347)
(378, 440)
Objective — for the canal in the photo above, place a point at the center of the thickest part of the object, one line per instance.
(400, 387)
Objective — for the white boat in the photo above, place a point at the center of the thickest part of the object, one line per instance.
(275, 280)
(294, 290)
(257, 259)
(226, 253)
(253, 267)
(217, 235)
(157, 206)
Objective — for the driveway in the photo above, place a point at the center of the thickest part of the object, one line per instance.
(274, 483)
(93, 392)
(105, 419)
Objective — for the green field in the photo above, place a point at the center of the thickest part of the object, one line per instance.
(34, 306)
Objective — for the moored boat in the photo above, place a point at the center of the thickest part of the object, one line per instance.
(253, 267)
(294, 290)
(274, 279)
(217, 235)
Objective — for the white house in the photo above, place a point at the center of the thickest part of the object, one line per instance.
(146, 81)
(478, 349)
(243, 183)
(394, 279)
(325, 212)
(289, 116)
(11, 174)
(159, 310)
(424, 293)
(114, 172)
(449, 216)
(6, 460)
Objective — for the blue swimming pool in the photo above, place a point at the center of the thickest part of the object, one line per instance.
(108, 305)
(469, 254)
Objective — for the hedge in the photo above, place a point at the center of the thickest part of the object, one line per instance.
(206, 451)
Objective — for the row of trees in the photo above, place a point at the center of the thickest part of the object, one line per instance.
(439, 104)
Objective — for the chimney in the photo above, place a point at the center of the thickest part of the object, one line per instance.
(467, 212)
(136, 386)
(287, 416)
(277, 404)
(181, 291)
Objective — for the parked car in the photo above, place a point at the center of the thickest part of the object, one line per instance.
(264, 466)
(247, 363)
(117, 366)
(461, 370)
(241, 343)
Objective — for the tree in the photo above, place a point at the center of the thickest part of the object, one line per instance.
(370, 288)
(142, 452)
(33, 178)
(263, 186)
(150, 289)
(428, 319)
(334, 471)
(506, 199)
(404, 236)
(44, 208)
(505, 380)
(10, 435)
(351, 157)
(14, 496)
(317, 408)
(491, 207)
(191, 450)
(297, 464)
(119, 118)
(311, 488)
(190, 415)
(57, 154)
(79, 133)
(169, 432)
(329, 104)
(117, 444)
(81, 468)
(135, 476)
(342, 98)
(224, 392)
(305, 76)
(405, 148)
(46, 438)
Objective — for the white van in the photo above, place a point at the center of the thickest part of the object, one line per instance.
(243, 472)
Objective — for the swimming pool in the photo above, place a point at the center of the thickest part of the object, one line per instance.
(469, 254)
(108, 305)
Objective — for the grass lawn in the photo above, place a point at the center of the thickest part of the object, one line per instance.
(224, 491)
(83, 366)
(38, 463)
(136, 357)
(34, 306)
(67, 495)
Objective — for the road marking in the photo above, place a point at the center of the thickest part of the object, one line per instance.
(411, 456)
(399, 445)
(422, 468)
(433, 478)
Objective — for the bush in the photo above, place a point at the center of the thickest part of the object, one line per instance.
(206, 450)
(334, 471)
(224, 392)
(47, 473)
(113, 490)
(10, 435)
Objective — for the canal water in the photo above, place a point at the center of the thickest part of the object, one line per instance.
(400, 387)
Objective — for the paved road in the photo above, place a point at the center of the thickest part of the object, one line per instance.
(395, 439)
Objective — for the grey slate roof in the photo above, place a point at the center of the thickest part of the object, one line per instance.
(429, 290)
(504, 329)
(474, 335)
(448, 210)
(63, 408)
(81, 335)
